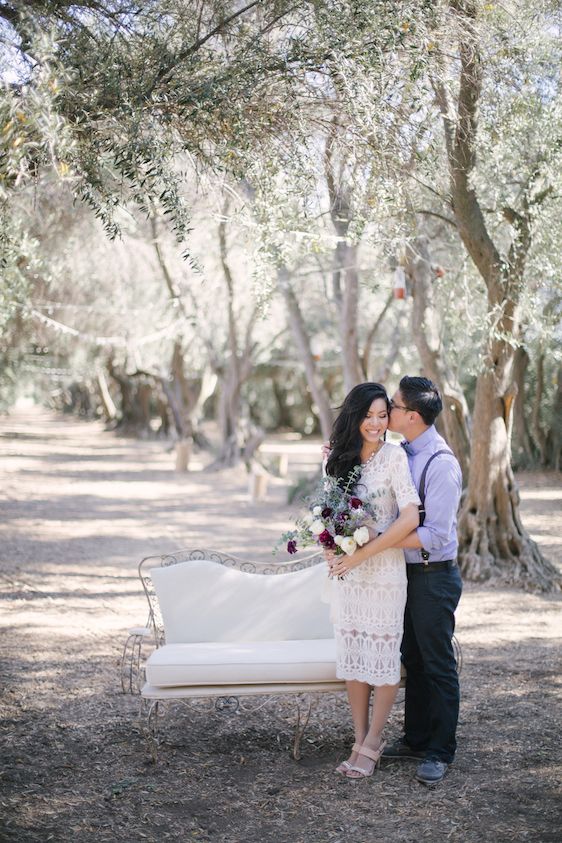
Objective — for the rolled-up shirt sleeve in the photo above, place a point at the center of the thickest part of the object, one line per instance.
(402, 483)
(443, 488)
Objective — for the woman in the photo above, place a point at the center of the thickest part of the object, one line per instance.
(370, 592)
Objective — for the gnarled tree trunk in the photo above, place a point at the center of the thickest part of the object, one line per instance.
(493, 541)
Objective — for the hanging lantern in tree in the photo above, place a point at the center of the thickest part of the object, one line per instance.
(399, 288)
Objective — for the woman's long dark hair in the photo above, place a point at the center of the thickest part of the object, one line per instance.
(346, 440)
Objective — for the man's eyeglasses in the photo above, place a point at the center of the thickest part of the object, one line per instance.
(394, 406)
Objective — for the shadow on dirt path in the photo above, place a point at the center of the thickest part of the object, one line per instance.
(79, 508)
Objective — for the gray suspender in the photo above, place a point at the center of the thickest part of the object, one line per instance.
(425, 553)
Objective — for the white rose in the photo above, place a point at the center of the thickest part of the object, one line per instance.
(361, 536)
(338, 540)
(348, 546)
(317, 510)
(317, 527)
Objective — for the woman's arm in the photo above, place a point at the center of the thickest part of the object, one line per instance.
(407, 521)
(411, 541)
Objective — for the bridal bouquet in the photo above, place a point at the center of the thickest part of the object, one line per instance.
(336, 518)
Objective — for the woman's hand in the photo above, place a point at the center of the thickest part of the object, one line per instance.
(340, 565)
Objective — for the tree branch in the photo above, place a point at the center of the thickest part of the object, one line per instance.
(435, 214)
(164, 74)
(461, 149)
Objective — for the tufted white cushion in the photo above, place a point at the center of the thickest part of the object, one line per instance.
(204, 601)
(252, 662)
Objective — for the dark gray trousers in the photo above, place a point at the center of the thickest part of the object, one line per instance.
(432, 685)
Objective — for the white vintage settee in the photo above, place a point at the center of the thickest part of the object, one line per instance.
(227, 629)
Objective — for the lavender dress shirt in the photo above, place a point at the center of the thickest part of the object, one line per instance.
(443, 486)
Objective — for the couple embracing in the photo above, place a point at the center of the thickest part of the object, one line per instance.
(396, 595)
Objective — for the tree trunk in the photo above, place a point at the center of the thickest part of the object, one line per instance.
(524, 450)
(109, 408)
(134, 411)
(493, 541)
(425, 330)
(536, 426)
(236, 369)
(322, 406)
(351, 362)
(345, 266)
(554, 436)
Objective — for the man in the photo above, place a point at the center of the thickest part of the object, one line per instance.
(434, 587)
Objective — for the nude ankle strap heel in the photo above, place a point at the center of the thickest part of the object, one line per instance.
(374, 755)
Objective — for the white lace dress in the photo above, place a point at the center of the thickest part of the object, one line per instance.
(368, 604)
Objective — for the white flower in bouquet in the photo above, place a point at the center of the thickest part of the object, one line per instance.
(338, 540)
(317, 527)
(361, 536)
(317, 510)
(348, 545)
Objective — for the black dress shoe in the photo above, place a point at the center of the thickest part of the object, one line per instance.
(400, 749)
(431, 771)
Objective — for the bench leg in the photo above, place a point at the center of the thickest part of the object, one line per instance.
(130, 668)
(151, 728)
(125, 667)
(302, 723)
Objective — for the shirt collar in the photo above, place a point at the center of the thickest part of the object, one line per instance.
(420, 442)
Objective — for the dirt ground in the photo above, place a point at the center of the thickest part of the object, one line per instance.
(79, 508)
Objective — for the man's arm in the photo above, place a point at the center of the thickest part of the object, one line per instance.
(411, 541)
(444, 486)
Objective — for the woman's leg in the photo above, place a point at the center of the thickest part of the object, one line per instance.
(358, 694)
(383, 700)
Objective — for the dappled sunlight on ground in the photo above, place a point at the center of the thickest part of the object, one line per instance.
(79, 508)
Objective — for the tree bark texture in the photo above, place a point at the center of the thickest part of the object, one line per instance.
(493, 541)
(425, 331)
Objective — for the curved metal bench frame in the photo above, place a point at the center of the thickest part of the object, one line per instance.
(132, 674)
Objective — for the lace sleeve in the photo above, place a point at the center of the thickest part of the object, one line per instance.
(402, 483)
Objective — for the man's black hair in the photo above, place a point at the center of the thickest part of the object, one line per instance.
(421, 395)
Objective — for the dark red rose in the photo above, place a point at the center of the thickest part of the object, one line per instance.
(326, 539)
(356, 503)
(326, 512)
(291, 547)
